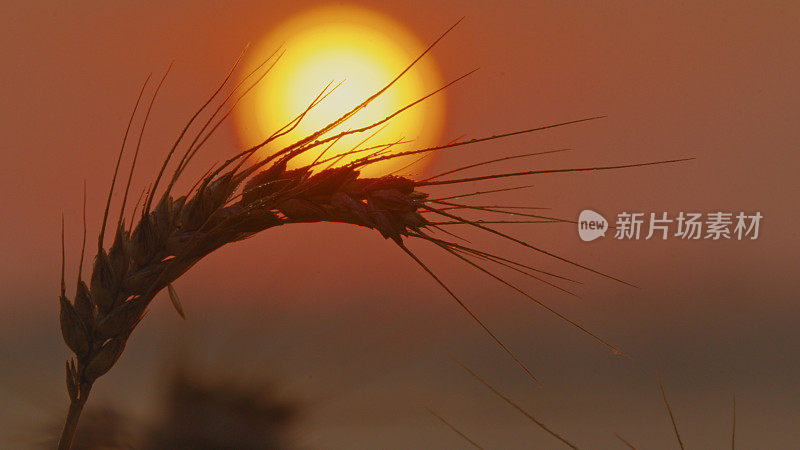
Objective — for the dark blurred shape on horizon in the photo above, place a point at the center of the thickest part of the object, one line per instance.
(198, 413)
(220, 414)
(103, 427)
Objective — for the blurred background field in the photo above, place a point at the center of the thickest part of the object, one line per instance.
(357, 341)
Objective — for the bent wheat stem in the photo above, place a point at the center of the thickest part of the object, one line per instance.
(238, 199)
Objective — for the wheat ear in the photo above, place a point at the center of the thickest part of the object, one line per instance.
(238, 199)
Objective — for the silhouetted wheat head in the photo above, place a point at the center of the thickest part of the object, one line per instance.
(246, 195)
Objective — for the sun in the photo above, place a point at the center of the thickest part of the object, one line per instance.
(360, 51)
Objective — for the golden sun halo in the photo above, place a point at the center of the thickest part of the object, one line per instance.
(362, 49)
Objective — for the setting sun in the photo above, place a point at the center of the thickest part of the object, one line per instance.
(363, 51)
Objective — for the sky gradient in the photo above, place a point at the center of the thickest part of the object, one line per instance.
(343, 321)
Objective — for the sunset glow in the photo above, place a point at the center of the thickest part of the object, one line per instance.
(364, 51)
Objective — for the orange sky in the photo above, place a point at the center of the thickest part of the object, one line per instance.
(692, 80)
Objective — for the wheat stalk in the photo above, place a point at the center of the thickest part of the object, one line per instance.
(243, 197)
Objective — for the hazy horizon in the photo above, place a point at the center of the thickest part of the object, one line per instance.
(339, 319)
